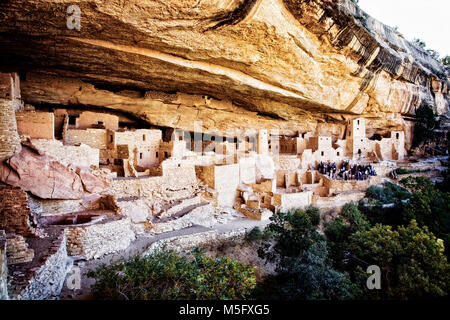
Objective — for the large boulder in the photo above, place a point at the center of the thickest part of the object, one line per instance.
(40, 175)
(48, 179)
(93, 183)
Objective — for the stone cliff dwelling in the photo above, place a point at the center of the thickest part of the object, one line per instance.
(96, 156)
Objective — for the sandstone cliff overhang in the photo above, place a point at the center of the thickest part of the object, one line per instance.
(280, 62)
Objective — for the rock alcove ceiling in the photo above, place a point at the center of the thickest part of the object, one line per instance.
(280, 64)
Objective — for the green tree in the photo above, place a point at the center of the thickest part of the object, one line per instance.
(420, 43)
(338, 232)
(303, 270)
(411, 260)
(167, 275)
(434, 54)
(446, 61)
(429, 206)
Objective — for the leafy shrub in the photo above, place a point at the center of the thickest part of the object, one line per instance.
(314, 215)
(406, 171)
(389, 193)
(254, 235)
(402, 171)
(339, 230)
(302, 269)
(167, 275)
(376, 193)
(429, 206)
(411, 260)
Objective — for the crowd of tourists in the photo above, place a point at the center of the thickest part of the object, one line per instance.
(347, 171)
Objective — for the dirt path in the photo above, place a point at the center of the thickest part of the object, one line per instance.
(139, 246)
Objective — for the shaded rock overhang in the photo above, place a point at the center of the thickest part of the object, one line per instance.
(283, 64)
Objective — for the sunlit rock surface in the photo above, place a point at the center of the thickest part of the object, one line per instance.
(290, 65)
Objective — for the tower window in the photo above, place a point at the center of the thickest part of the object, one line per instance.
(140, 155)
(323, 153)
(157, 154)
(397, 135)
(143, 137)
(72, 120)
(111, 139)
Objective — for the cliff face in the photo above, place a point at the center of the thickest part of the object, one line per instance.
(286, 64)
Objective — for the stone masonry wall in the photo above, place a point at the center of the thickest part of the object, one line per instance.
(226, 180)
(14, 212)
(47, 280)
(187, 242)
(81, 156)
(3, 268)
(87, 119)
(95, 138)
(38, 125)
(287, 201)
(143, 145)
(350, 185)
(97, 240)
(9, 138)
(17, 250)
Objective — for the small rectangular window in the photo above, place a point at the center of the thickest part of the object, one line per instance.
(157, 154)
(140, 155)
(72, 120)
(143, 137)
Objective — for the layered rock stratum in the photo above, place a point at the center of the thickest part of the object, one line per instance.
(293, 65)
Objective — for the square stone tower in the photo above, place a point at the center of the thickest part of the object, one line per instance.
(398, 142)
(263, 142)
(357, 144)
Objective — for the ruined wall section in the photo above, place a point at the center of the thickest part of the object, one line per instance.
(287, 201)
(37, 125)
(226, 180)
(99, 239)
(15, 214)
(95, 138)
(90, 119)
(143, 145)
(82, 156)
(17, 250)
(9, 103)
(46, 280)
